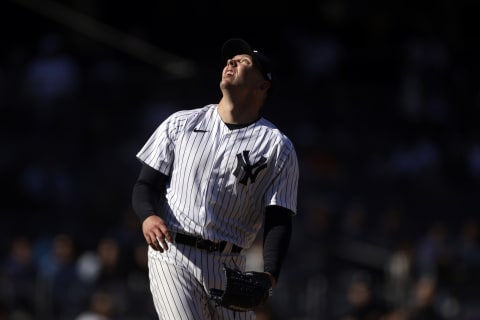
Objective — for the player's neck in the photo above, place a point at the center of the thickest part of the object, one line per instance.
(240, 112)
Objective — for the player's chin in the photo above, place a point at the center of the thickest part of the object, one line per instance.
(226, 82)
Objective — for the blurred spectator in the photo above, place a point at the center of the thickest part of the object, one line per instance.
(398, 275)
(58, 278)
(433, 254)
(112, 272)
(137, 284)
(18, 286)
(363, 302)
(100, 308)
(111, 265)
(466, 261)
(104, 270)
(424, 304)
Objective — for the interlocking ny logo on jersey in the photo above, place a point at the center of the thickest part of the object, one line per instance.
(249, 171)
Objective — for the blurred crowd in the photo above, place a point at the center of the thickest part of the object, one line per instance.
(383, 116)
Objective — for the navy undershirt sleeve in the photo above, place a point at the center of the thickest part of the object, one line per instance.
(148, 192)
(276, 238)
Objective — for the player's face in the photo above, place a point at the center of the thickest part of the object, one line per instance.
(240, 71)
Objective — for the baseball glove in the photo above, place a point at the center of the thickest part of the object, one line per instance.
(244, 290)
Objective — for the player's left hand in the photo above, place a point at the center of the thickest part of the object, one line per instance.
(156, 233)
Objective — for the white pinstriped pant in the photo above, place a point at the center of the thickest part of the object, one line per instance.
(181, 278)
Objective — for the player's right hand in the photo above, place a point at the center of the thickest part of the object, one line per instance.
(156, 233)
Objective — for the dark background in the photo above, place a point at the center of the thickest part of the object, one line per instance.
(380, 99)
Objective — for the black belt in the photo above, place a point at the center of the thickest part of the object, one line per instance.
(203, 244)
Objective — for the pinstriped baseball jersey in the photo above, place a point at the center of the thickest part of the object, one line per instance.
(221, 179)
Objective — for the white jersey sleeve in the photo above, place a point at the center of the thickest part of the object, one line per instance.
(158, 151)
(283, 189)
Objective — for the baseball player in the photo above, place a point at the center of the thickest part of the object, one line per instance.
(210, 178)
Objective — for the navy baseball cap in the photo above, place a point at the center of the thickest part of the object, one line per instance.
(235, 46)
